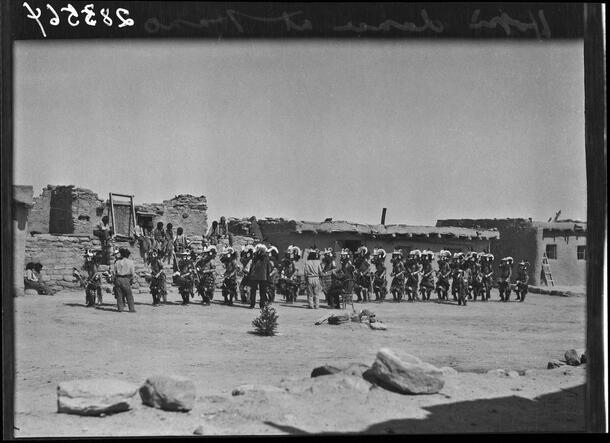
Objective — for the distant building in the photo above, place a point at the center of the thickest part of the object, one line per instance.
(342, 234)
(564, 243)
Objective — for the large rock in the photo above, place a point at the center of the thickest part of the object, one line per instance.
(554, 364)
(404, 374)
(170, 393)
(96, 396)
(572, 357)
(324, 370)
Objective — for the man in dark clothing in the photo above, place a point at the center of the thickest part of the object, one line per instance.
(506, 271)
(229, 283)
(487, 271)
(260, 271)
(521, 281)
(157, 279)
(442, 282)
(245, 259)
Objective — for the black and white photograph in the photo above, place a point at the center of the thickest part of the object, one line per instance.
(296, 219)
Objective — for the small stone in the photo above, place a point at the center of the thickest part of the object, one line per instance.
(31, 292)
(513, 374)
(170, 393)
(243, 389)
(199, 430)
(448, 370)
(572, 357)
(497, 372)
(324, 370)
(583, 355)
(554, 364)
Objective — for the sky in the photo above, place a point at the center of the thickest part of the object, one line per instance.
(308, 130)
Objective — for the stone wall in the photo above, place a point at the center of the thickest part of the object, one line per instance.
(65, 210)
(184, 210)
(59, 254)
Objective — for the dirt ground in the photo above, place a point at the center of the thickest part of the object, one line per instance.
(58, 339)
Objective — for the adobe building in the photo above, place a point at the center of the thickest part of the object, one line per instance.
(562, 242)
(22, 202)
(342, 234)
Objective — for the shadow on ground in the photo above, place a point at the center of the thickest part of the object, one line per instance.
(561, 411)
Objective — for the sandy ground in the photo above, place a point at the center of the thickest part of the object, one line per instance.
(58, 339)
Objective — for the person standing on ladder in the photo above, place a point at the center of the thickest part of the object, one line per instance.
(106, 234)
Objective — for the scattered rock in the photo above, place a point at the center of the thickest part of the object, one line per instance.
(243, 389)
(378, 325)
(448, 370)
(96, 396)
(324, 370)
(513, 374)
(170, 393)
(554, 364)
(572, 357)
(404, 374)
(497, 372)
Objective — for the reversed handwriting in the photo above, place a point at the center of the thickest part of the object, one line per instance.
(432, 25)
(507, 23)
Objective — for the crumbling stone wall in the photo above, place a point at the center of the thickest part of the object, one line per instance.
(184, 210)
(51, 214)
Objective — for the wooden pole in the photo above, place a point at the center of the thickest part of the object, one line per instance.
(383, 216)
(595, 153)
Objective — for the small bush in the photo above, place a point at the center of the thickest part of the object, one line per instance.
(266, 323)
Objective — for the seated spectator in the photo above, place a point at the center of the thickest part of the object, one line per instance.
(33, 279)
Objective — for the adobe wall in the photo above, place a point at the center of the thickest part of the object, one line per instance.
(519, 239)
(83, 212)
(566, 270)
(59, 254)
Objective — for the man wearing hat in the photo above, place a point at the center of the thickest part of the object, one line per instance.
(206, 274)
(412, 273)
(229, 283)
(379, 276)
(506, 270)
(362, 274)
(123, 272)
(487, 271)
(443, 273)
(259, 275)
(157, 279)
(397, 287)
(274, 257)
(245, 259)
(456, 269)
(521, 281)
(426, 284)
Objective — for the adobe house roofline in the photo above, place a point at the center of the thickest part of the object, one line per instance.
(376, 230)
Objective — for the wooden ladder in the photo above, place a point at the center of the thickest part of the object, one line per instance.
(546, 268)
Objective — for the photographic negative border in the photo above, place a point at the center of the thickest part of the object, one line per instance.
(343, 21)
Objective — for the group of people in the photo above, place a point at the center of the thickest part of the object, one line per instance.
(260, 269)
